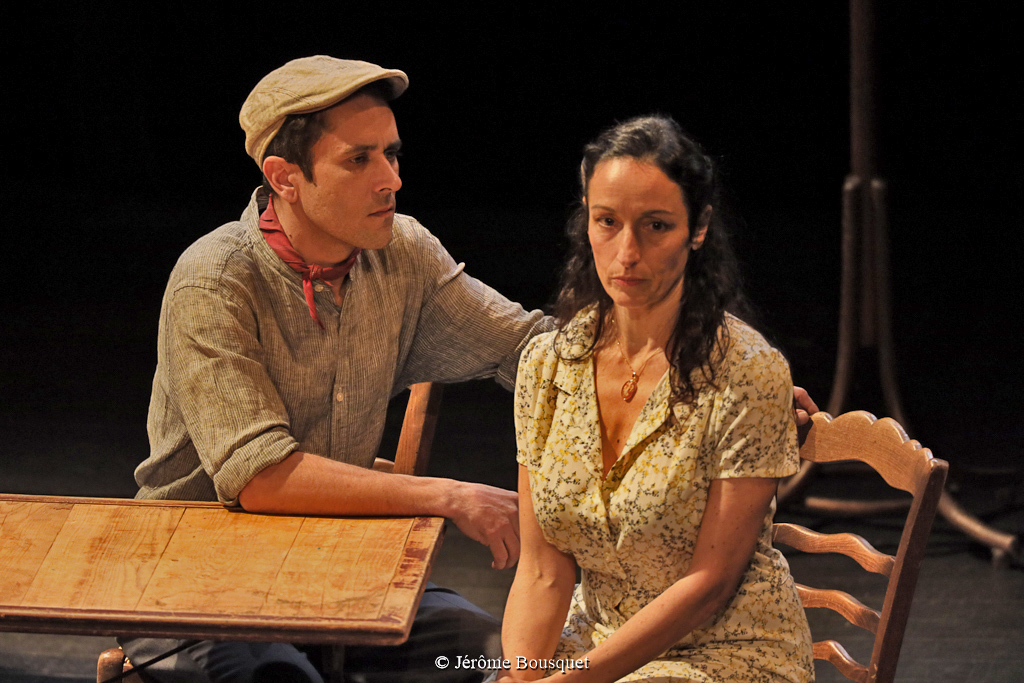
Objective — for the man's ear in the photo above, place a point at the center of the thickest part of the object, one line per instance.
(281, 176)
(701, 232)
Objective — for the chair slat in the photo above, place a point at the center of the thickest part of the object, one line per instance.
(855, 611)
(413, 452)
(859, 435)
(837, 655)
(852, 545)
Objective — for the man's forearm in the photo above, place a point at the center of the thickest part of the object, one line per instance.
(308, 484)
(304, 483)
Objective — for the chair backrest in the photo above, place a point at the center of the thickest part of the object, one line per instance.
(413, 454)
(903, 464)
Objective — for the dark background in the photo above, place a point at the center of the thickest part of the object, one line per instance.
(122, 147)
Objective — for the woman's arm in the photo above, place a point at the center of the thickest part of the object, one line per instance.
(541, 593)
(728, 535)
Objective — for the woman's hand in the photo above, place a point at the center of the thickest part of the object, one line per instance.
(729, 529)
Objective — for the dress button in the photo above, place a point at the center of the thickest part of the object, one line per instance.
(339, 397)
(319, 288)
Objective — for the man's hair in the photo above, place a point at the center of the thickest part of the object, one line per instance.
(300, 132)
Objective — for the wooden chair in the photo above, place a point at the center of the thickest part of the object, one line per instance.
(413, 453)
(411, 457)
(903, 464)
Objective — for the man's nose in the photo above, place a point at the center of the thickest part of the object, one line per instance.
(389, 181)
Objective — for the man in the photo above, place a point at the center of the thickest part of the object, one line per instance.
(283, 335)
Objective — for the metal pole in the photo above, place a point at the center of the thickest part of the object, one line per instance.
(865, 308)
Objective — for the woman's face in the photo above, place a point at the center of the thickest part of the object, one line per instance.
(639, 231)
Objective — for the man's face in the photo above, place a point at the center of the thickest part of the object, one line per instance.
(350, 201)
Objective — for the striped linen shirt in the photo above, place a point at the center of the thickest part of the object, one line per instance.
(245, 376)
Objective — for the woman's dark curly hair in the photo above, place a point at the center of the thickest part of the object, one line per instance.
(711, 284)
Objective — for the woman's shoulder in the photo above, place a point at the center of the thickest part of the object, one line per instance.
(538, 349)
(747, 350)
(558, 356)
(570, 341)
(575, 339)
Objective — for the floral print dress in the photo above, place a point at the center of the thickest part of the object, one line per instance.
(633, 533)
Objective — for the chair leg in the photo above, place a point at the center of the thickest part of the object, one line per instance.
(113, 662)
(110, 663)
(334, 663)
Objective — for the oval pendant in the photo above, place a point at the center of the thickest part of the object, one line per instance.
(628, 390)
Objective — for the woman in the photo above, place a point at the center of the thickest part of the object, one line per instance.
(652, 429)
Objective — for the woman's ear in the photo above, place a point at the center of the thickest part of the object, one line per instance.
(701, 232)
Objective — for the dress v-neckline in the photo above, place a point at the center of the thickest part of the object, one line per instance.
(632, 439)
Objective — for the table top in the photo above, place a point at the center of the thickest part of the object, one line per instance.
(100, 566)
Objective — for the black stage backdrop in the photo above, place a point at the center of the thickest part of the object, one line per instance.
(122, 147)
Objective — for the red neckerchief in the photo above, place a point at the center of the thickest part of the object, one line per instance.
(282, 246)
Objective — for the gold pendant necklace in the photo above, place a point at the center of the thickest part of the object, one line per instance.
(628, 390)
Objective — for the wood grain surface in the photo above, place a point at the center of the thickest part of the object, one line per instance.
(169, 568)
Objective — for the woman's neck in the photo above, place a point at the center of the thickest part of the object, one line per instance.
(641, 331)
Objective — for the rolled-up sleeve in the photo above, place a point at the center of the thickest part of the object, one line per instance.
(229, 406)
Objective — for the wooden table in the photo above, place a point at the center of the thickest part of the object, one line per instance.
(93, 566)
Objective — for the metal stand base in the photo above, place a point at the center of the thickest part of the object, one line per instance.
(865, 323)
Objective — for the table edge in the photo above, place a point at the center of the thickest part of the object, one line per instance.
(313, 630)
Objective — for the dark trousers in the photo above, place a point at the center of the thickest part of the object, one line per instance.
(446, 627)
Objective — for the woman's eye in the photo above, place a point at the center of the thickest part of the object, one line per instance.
(660, 226)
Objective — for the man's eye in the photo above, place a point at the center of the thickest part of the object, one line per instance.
(393, 155)
(360, 159)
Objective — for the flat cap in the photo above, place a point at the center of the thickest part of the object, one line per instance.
(302, 86)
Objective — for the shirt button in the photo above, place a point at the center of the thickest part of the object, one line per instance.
(339, 397)
(319, 288)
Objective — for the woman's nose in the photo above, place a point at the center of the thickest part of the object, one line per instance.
(629, 247)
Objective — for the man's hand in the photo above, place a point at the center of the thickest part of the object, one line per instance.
(489, 515)
(803, 406)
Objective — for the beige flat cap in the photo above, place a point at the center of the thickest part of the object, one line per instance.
(302, 86)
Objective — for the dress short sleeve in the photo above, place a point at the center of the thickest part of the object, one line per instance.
(753, 416)
(534, 398)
